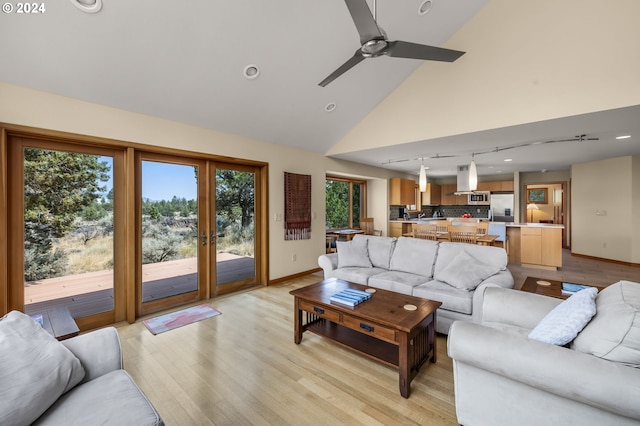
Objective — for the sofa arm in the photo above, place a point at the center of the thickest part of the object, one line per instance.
(328, 263)
(512, 307)
(554, 369)
(99, 352)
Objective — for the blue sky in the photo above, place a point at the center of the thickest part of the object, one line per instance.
(161, 181)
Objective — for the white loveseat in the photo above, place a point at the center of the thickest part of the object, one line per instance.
(450, 273)
(503, 377)
(79, 381)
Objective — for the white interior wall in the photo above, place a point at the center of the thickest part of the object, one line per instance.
(603, 203)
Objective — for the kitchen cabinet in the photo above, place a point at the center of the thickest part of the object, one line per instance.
(507, 185)
(498, 186)
(397, 229)
(431, 197)
(402, 192)
(541, 247)
(448, 198)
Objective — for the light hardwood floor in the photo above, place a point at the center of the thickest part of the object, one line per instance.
(242, 368)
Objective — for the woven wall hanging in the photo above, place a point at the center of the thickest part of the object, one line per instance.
(297, 206)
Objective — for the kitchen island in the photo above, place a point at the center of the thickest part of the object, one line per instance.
(534, 245)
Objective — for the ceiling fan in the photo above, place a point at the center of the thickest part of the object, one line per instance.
(375, 43)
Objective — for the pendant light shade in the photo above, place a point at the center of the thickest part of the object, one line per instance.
(473, 176)
(422, 180)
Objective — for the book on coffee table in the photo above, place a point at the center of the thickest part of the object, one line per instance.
(350, 297)
(569, 288)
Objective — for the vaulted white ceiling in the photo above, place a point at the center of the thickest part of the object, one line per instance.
(184, 61)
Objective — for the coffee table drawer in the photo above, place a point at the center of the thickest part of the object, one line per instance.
(321, 311)
(378, 331)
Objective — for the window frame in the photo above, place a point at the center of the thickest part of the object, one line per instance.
(363, 198)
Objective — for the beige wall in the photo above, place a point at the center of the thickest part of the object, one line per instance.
(605, 195)
(28, 107)
(526, 61)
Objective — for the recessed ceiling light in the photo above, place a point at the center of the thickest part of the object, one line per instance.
(508, 159)
(425, 7)
(88, 6)
(330, 107)
(623, 137)
(251, 71)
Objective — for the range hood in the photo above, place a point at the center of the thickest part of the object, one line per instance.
(463, 181)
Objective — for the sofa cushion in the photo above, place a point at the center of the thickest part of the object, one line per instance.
(35, 369)
(496, 257)
(415, 256)
(614, 332)
(398, 281)
(353, 253)
(563, 323)
(380, 249)
(465, 271)
(357, 275)
(453, 299)
(112, 399)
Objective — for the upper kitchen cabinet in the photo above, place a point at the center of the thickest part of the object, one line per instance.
(431, 197)
(402, 192)
(499, 186)
(448, 197)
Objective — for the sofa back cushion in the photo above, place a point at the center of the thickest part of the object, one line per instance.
(353, 254)
(614, 332)
(415, 256)
(493, 257)
(35, 369)
(380, 249)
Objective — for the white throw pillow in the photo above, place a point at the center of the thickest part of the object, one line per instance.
(35, 369)
(563, 323)
(466, 272)
(353, 254)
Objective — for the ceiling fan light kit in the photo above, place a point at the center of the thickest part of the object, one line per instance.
(88, 6)
(374, 42)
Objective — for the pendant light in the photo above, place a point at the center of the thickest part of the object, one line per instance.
(473, 176)
(422, 179)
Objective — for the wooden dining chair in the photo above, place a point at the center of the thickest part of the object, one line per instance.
(482, 228)
(331, 244)
(463, 234)
(366, 224)
(425, 231)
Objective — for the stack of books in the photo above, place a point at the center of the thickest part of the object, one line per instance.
(350, 297)
(568, 288)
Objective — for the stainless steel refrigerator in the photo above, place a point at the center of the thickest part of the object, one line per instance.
(501, 208)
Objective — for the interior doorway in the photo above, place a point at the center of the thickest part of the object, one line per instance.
(547, 203)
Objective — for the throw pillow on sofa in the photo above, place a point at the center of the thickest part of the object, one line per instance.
(414, 256)
(563, 323)
(35, 369)
(353, 254)
(614, 333)
(465, 272)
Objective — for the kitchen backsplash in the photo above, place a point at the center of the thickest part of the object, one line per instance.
(446, 211)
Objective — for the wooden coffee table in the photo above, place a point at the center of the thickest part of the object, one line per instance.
(380, 328)
(553, 289)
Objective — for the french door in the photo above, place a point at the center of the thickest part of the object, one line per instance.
(196, 230)
(65, 229)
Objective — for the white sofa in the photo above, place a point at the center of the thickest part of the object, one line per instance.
(450, 273)
(79, 381)
(503, 377)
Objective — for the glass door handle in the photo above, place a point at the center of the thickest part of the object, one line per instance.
(212, 237)
(204, 238)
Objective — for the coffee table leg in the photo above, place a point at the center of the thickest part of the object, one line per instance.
(297, 321)
(403, 364)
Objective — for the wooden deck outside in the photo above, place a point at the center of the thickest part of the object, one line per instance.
(92, 292)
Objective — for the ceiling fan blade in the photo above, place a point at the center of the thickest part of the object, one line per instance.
(405, 49)
(352, 62)
(362, 17)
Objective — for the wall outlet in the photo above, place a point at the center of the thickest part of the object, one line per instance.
(601, 212)
(277, 217)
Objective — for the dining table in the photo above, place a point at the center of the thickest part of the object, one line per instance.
(347, 234)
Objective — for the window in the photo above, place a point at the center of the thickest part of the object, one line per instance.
(345, 202)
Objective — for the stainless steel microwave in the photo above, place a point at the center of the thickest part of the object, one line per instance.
(480, 197)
